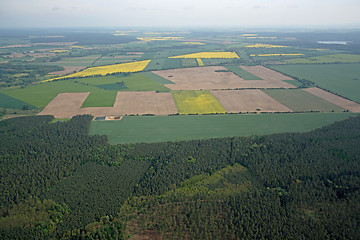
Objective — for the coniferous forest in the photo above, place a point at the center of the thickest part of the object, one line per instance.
(57, 182)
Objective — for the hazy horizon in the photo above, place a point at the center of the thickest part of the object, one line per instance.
(161, 13)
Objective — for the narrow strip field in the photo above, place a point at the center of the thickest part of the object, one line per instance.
(177, 128)
(197, 102)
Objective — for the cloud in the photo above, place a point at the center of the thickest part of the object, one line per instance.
(259, 6)
(55, 8)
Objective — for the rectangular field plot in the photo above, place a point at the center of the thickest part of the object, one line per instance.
(265, 73)
(218, 77)
(145, 103)
(301, 101)
(342, 79)
(337, 100)
(253, 100)
(196, 102)
(67, 105)
(134, 129)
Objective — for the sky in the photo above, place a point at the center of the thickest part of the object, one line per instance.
(179, 13)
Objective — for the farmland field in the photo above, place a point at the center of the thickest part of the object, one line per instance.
(217, 77)
(163, 128)
(252, 100)
(10, 102)
(342, 79)
(41, 94)
(67, 105)
(242, 73)
(209, 55)
(333, 58)
(299, 100)
(108, 69)
(196, 102)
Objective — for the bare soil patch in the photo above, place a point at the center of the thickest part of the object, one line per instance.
(250, 100)
(209, 78)
(266, 73)
(337, 100)
(67, 105)
(68, 70)
(145, 103)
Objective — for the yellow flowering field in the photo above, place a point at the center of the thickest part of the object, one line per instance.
(75, 46)
(196, 102)
(276, 54)
(209, 55)
(200, 62)
(260, 45)
(59, 51)
(109, 69)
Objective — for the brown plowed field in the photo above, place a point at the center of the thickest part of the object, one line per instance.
(266, 73)
(67, 105)
(337, 100)
(206, 78)
(68, 69)
(251, 100)
(145, 102)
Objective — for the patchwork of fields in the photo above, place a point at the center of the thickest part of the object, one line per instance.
(179, 77)
(218, 77)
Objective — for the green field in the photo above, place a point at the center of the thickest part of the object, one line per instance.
(10, 102)
(176, 128)
(242, 73)
(189, 62)
(333, 58)
(342, 79)
(157, 78)
(76, 61)
(299, 100)
(196, 102)
(41, 94)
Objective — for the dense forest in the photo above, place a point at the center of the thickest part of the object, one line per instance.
(57, 182)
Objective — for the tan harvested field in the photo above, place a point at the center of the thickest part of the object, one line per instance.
(249, 100)
(145, 102)
(68, 70)
(266, 73)
(67, 105)
(206, 78)
(337, 100)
